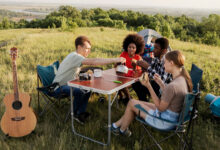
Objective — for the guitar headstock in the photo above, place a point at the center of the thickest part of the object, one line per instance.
(14, 53)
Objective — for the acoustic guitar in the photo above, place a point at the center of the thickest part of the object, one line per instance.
(19, 119)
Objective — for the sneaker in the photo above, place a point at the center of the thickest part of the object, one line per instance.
(127, 132)
(115, 131)
(80, 118)
(85, 115)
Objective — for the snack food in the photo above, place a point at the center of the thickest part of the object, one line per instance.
(144, 77)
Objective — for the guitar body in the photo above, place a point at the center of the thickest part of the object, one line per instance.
(19, 119)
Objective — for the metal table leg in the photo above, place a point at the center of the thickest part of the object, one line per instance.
(109, 122)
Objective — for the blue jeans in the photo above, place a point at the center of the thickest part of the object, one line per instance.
(81, 98)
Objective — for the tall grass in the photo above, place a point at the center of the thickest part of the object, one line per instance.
(44, 46)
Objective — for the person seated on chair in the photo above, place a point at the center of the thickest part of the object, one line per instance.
(156, 66)
(167, 107)
(133, 45)
(69, 70)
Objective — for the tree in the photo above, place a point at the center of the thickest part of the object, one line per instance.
(5, 23)
(64, 24)
(22, 23)
(69, 11)
(119, 24)
(211, 38)
(167, 31)
(139, 28)
(87, 14)
(107, 22)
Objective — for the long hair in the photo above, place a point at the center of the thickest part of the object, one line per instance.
(178, 59)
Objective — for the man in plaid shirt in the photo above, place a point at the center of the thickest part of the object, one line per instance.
(156, 66)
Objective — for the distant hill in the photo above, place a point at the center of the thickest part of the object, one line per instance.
(193, 13)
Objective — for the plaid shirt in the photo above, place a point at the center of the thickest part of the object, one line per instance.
(157, 66)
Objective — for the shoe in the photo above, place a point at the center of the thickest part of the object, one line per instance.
(115, 131)
(127, 132)
(80, 118)
(85, 115)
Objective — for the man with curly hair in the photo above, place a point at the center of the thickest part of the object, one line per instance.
(133, 46)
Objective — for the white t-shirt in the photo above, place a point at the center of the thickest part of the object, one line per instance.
(69, 68)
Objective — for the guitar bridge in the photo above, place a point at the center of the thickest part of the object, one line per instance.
(17, 118)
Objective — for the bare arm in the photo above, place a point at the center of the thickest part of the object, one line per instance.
(161, 105)
(143, 64)
(102, 61)
(158, 80)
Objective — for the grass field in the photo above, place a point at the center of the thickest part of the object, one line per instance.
(44, 46)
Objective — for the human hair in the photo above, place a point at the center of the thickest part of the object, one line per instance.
(80, 40)
(163, 42)
(137, 40)
(178, 59)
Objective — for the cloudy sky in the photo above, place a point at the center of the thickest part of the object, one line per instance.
(211, 4)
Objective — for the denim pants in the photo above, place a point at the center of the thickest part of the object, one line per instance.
(81, 98)
(160, 124)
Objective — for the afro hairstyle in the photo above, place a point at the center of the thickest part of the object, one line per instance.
(137, 40)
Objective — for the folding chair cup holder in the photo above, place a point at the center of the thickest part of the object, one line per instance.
(184, 127)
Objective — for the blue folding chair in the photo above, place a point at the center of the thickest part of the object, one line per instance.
(184, 127)
(45, 77)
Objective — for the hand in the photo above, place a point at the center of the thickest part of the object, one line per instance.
(144, 79)
(134, 63)
(157, 79)
(122, 60)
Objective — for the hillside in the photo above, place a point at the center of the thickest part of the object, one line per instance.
(44, 46)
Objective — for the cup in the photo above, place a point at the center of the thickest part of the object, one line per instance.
(97, 72)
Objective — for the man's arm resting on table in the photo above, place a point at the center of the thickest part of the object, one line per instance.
(143, 64)
(100, 61)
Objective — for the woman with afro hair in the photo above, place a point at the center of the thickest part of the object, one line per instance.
(133, 46)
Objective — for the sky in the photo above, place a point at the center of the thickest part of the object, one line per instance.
(208, 4)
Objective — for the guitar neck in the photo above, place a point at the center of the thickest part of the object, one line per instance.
(15, 80)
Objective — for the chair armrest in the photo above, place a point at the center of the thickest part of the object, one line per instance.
(49, 88)
(140, 108)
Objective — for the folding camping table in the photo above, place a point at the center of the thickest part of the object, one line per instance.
(103, 85)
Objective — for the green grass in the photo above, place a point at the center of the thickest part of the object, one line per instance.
(44, 46)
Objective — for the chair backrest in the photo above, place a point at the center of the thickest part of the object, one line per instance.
(187, 105)
(47, 73)
(196, 76)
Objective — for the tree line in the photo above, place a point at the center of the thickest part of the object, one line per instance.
(183, 28)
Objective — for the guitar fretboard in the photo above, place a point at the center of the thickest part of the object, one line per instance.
(15, 80)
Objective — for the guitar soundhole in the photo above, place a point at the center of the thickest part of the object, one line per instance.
(17, 105)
